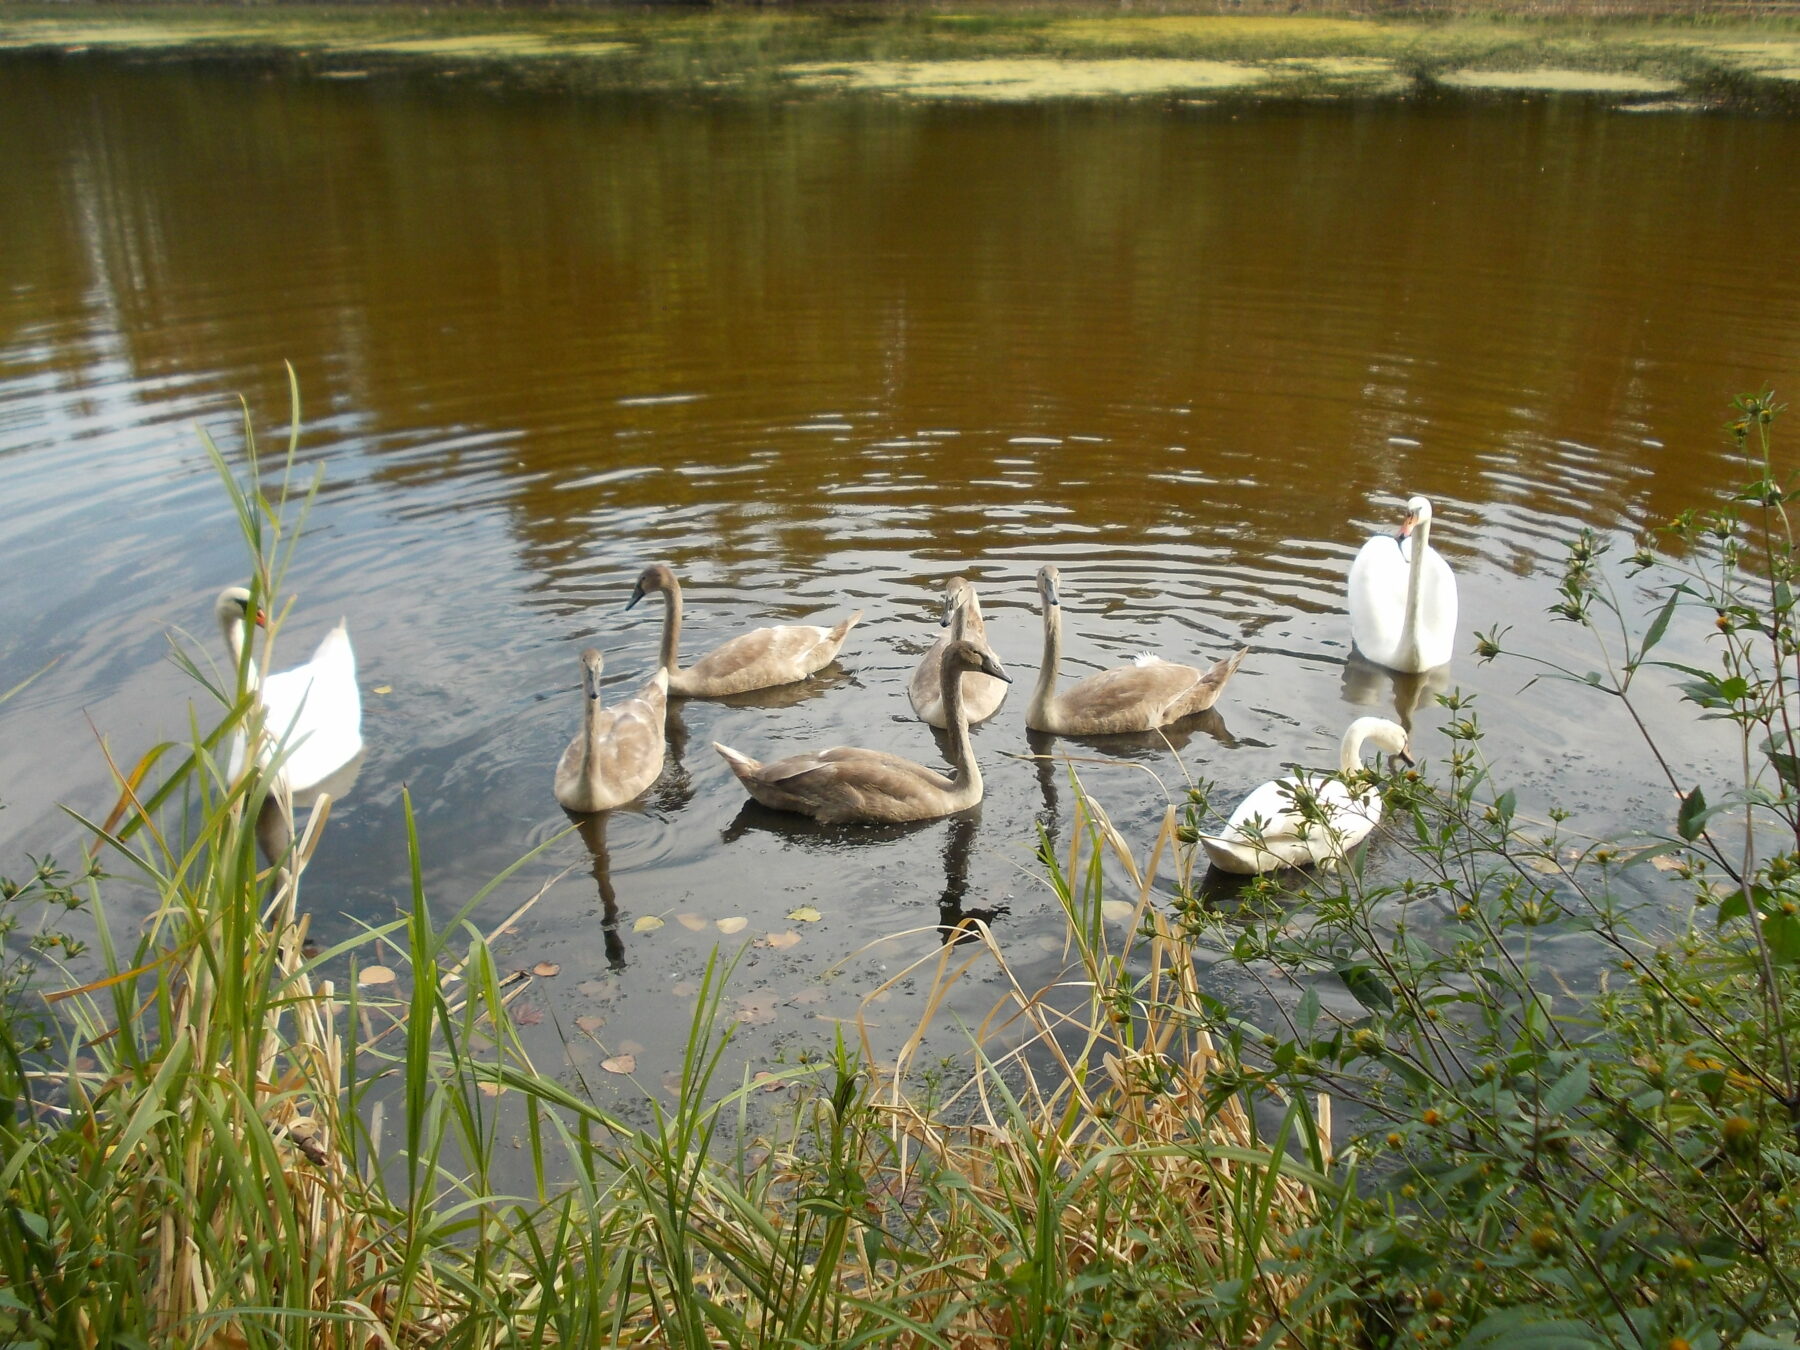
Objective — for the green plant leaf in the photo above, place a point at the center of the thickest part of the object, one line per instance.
(1782, 932)
(1660, 624)
(1568, 1091)
(1692, 818)
(1366, 987)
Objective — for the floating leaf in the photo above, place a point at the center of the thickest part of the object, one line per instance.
(1117, 910)
(732, 925)
(382, 689)
(630, 1047)
(780, 941)
(805, 914)
(648, 924)
(671, 1083)
(1664, 862)
(490, 1089)
(755, 1010)
(694, 923)
(620, 1064)
(808, 996)
(527, 1014)
(590, 1022)
(546, 969)
(1537, 862)
(372, 975)
(597, 988)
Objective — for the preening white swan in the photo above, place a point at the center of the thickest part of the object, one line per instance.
(1403, 597)
(1269, 830)
(618, 752)
(754, 660)
(982, 694)
(1140, 697)
(311, 715)
(850, 785)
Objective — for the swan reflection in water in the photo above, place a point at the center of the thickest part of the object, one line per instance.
(593, 833)
(954, 917)
(956, 921)
(675, 789)
(1367, 685)
(1136, 746)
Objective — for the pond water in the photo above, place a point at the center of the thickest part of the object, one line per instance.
(819, 355)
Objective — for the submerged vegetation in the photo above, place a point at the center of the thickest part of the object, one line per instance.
(1648, 53)
(227, 1140)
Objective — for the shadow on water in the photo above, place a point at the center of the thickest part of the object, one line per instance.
(1367, 685)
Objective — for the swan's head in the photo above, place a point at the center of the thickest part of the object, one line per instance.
(1418, 512)
(656, 577)
(965, 654)
(1047, 579)
(956, 594)
(233, 607)
(592, 663)
(1382, 734)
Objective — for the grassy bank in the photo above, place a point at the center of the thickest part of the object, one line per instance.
(1647, 54)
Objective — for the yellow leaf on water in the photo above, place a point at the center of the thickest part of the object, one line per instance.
(546, 969)
(694, 923)
(590, 1022)
(648, 924)
(370, 975)
(733, 925)
(382, 689)
(490, 1089)
(781, 941)
(1542, 865)
(620, 1064)
(805, 914)
(1117, 910)
(1663, 862)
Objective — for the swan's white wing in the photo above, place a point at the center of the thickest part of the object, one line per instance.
(1437, 610)
(1378, 598)
(1266, 827)
(313, 713)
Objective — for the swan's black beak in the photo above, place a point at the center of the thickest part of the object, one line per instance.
(637, 594)
(990, 665)
(1405, 757)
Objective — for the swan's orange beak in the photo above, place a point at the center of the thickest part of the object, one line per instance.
(262, 620)
(1406, 527)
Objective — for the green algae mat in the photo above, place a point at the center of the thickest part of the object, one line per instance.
(987, 54)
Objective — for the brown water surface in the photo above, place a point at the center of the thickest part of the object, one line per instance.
(819, 355)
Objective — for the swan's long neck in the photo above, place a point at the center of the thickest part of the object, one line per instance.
(590, 732)
(671, 642)
(1044, 694)
(1415, 576)
(1350, 751)
(233, 626)
(962, 751)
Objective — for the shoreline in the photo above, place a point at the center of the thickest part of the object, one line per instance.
(1647, 59)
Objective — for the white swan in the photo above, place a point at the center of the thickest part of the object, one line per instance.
(850, 785)
(1403, 597)
(1147, 694)
(618, 752)
(982, 694)
(311, 715)
(1269, 830)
